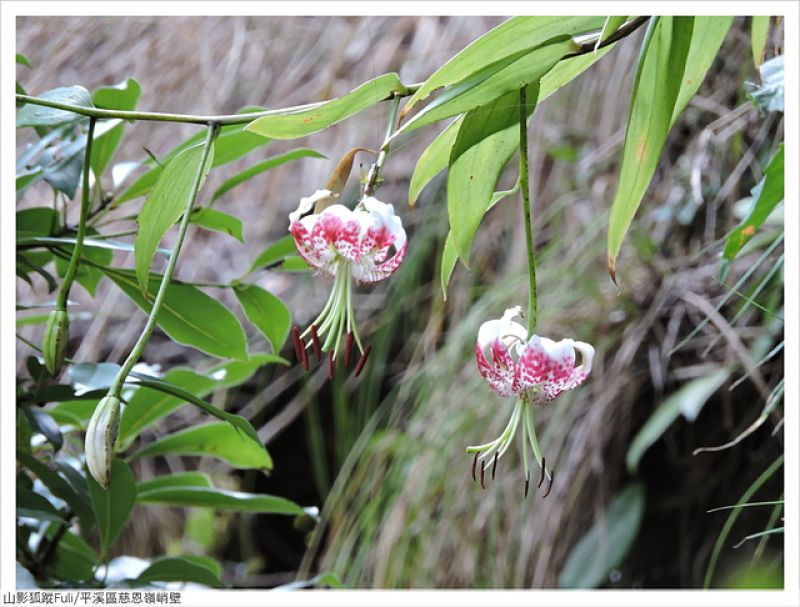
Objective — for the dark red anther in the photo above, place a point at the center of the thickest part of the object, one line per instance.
(541, 478)
(315, 343)
(474, 466)
(494, 465)
(348, 348)
(363, 361)
(298, 344)
(527, 483)
(304, 353)
(483, 470)
(550, 486)
(331, 366)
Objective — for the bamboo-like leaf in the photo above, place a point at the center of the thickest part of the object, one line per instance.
(267, 312)
(293, 123)
(212, 219)
(165, 205)
(122, 96)
(759, 30)
(220, 499)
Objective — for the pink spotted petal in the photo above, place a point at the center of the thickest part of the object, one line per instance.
(544, 361)
(366, 270)
(500, 378)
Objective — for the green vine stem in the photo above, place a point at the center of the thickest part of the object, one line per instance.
(222, 120)
(136, 351)
(375, 169)
(77, 251)
(524, 184)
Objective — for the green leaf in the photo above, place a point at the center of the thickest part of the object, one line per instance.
(60, 488)
(220, 499)
(329, 580)
(759, 30)
(231, 144)
(33, 505)
(473, 175)
(39, 115)
(73, 559)
(611, 25)
(97, 252)
(264, 165)
(211, 219)
(292, 123)
(165, 205)
(122, 96)
(275, 253)
(23, 60)
(437, 155)
(675, 57)
(217, 439)
(180, 479)
(86, 377)
(179, 569)
(485, 89)
(607, 543)
(113, 506)
(450, 253)
(767, 194)
(188, 316)
(687, 401)
(293, 263)
(44, 424)
(147, 406)
(237, 421)
(74, 412)
(267, 312)
(515, 35)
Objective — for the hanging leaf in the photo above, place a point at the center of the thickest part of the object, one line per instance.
(759, 30)
(39, 115)
(217, 439)
(291, 123)
(220, 499)
(122, 96)
(267, 312)
(113, 506)
(211, 219)
(179, 569)
(165, 205)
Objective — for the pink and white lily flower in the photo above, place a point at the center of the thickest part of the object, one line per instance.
(535, 370)
(366, 244)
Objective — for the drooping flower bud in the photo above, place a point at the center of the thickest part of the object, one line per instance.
(54, 344)
(101, 434)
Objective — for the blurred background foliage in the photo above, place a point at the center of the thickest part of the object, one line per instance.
(383, 456)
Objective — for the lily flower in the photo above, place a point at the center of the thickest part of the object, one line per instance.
(366, 245)
(534, 370)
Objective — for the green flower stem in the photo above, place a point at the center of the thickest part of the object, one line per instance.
(223, 120)
(375, 169)
(138, 348)
(524, 184)
(72, 268)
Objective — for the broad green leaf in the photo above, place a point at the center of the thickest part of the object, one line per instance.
(211, 219)
(473, 175)
(179, 479)
(74, 412)
(60, 488)
(180, 569)
(484, 90)
(97, 252)
(293, 123)
(217, 439)
(39, 115)
(73, 559)
(32, 505)
(450, 253)
(122, 96)
(767, 194)
(275, 253)
(607, 543)
(658, 83)
(86, 377)
(437, 155)
(43, 423)
(220, 499)
(759, 30)
(515, 35)
(267, 312)
(23, 60)
(231, 144)
(237, 421)
(686, 401)
(165, 205)
(188, 316)
(147, 406)
(264, 165)
(27, 178)
(114, 505)
(293, 263)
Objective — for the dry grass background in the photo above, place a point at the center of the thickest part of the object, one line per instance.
(403, 513)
